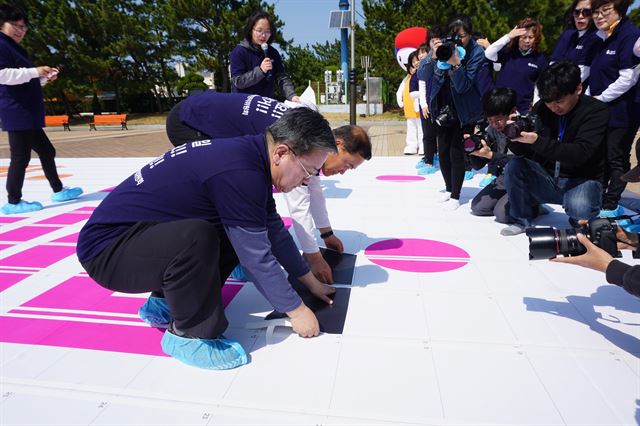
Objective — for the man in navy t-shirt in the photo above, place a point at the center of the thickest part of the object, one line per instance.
(211, 114)
(179, 225)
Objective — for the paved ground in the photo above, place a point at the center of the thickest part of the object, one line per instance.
(151, 140)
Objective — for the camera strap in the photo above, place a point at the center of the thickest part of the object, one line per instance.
(563, 126)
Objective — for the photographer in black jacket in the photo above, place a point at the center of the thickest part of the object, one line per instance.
(562, 161)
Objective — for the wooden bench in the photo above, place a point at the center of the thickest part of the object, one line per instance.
(109, 119)
(57, 120)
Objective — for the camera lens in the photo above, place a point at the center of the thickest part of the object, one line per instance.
(547, 243)
(469, 145)
(444, 52)
(511, 130)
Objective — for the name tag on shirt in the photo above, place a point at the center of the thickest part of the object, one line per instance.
(610, 52)
(532, 65)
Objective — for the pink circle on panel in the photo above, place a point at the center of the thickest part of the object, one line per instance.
(400, 178)
(417, 255)
(287, 221)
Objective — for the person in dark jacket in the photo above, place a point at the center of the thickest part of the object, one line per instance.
(612, 80)
(562, 162)
(256, 66)
(22, 113)
(521, 61)
(455, 103)
(179, 225)
(618, 273)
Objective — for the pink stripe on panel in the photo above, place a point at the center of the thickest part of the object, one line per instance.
(39, 256)
(66, 219)
(8, 279)
(72, 238)
(10, 219)
(229, 291)
(26, 233)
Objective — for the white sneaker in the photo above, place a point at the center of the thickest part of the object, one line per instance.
(408, 150)
(445, 196)
(452, 204)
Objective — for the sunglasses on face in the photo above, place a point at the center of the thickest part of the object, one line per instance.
(586, 12)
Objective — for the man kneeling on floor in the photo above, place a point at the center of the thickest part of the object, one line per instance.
(562, 161)
(179, 225)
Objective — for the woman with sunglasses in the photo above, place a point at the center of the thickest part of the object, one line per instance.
(612, 80)
(22, 113)
(579, 42)
(256, 66)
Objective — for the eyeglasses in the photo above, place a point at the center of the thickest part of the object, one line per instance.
(263, 33)
(586, 12)
(19, 26)
(604, 12)
(306, 172)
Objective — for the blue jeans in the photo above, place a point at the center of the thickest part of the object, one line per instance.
(529, 184)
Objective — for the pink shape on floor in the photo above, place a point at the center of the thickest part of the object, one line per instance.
(26, 233)
(417, 255)
(400, 178)
(39, 256)
(107, 189)
(72, 238)
(70, 218)
(8, 279)
(5, 246)
(10, 219)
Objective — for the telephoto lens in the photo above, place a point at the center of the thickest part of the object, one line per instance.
(548, 243)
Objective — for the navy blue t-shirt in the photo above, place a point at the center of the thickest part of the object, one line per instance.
(616, 54)
(226, 115)
(520, 73)
(226, 182)
(21, 105)
(575, 48)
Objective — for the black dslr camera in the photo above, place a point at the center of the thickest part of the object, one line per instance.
(445, 117)
(474, 142)
(547, 243)
(449, 43)
(523, 123)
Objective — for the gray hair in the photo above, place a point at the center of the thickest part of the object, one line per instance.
(303, 130)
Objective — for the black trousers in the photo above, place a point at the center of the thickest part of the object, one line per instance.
(492, 200)
(187, 261)
(452, 159)
(429, 139)
(178, 132)
(619, 141)
(20, 144)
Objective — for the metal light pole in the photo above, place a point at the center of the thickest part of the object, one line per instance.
(352, 72)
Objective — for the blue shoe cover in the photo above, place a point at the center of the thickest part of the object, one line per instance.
(155, 312)
(618, 211)
(212, 354)
(427, 170)
(436, 161)
(468, 175)
(633, 227)
(420, 164)
(66, 194)
(488, 178)
(239, 274)
(21, 207)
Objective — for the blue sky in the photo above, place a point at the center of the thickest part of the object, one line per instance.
(307, 21)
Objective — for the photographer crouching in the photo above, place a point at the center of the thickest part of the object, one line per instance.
(455, 100)
(562, 161)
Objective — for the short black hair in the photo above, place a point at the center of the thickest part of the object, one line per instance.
(460, 20)
(558, 80)
(621, 6)
(11, 13)
(251, 22)
(499, 101)
(303, 130)
(436, 31)
(354, 139)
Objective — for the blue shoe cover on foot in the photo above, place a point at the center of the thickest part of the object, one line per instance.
(634, 227)
(427, 170)
(436, 161)
(420, 164)
(488, 178)
(239, 274)
(155, 312)
(66, 194)
(21, 207)
(212, 354)
(618, 211)
(468, 175)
